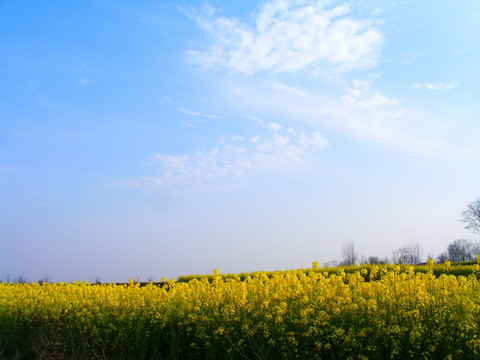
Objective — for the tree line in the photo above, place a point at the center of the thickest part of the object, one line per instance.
(457, 251)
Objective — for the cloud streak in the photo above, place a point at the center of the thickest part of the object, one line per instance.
(287, 37)
(271, 150)
(197, 114)
(355, 108)
(435, 86)
(85, 82)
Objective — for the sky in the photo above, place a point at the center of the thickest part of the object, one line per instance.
(154, 139)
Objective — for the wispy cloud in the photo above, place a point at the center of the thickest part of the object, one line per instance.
(360, 95)
(85, 82)
(197, 114)
(233, 158)
(355, 108)
(274, 126)
(436, 86)
(289, 36)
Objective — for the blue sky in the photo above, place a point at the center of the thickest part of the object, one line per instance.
(163, 138)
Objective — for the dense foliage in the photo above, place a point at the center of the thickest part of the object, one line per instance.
(377, 314)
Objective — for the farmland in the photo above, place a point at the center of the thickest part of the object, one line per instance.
(374, 312)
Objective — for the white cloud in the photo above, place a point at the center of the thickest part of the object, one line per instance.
(368, 113)
(361, 96)
(292, 89)
(315, 139)
(274, 126)
(197, 113)
(376, 11)
(436, 86)
(281, 141)
(85, 82)
(197, 167)
(358, 110)
(178, 172)
(289, 36)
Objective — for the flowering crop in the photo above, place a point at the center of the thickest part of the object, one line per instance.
(287, 315)
(457, 269)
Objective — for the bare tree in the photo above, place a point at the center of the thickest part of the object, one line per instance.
(331, 263)
(475, 248)
(21, 280)
(460, 250)
(411, 254)
(401, 256)
(442, 257)
(471, 216)
(349, 255)
(373, 260)
(43, 279)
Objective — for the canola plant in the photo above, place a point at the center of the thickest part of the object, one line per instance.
(388, 313)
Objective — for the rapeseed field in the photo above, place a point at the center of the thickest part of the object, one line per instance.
(386, 313)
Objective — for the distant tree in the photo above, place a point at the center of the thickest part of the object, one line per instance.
(475, 248)
(43, 279)
(471, 216)
(331, 263)
(349, 254)
(372, 260)
(442, 257)
(400, 256)
(411, 254)
(21, 280)
(460, 250)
